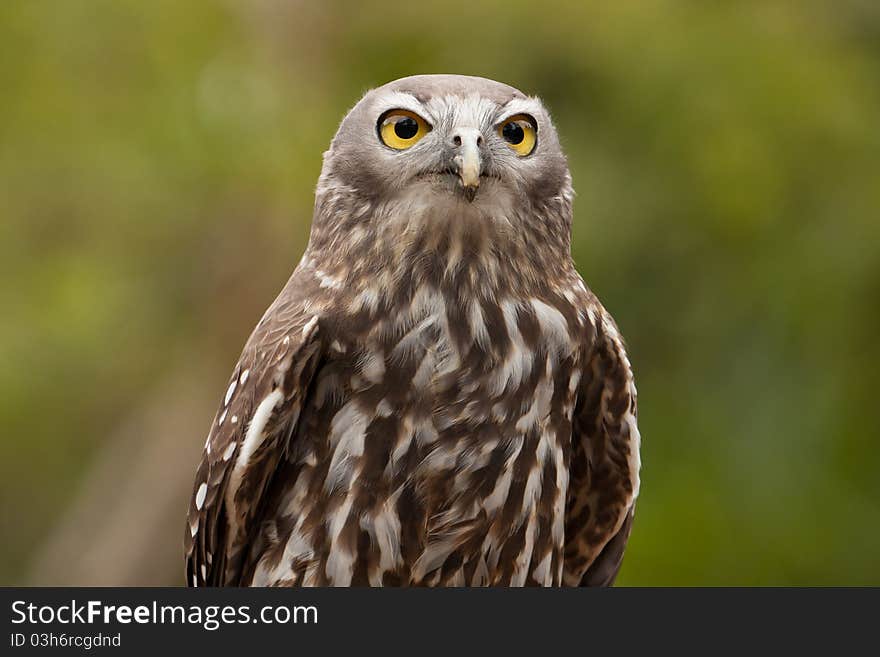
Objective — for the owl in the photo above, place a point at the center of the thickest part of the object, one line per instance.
(435, 398)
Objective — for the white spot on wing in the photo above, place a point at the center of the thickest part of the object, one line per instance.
(255, 433)
(309, 326)
(254, 437)
(200, 495)
(229, 392)
(230, 449)
(244, 377)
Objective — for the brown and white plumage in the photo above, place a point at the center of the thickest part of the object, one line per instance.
(435, 398)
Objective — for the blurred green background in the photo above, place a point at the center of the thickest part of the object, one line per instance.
(157, 167)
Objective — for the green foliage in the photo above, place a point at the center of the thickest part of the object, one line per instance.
(157, 163)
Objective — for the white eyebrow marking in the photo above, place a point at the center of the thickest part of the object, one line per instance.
(400, 100)
(530, 106)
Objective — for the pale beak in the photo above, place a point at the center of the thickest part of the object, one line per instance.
(468, 160)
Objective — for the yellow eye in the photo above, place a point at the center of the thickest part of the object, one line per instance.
(400, 129)
(520, 133)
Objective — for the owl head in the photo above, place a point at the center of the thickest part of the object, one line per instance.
(448, 140)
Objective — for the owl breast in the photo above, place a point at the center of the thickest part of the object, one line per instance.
(432, 450)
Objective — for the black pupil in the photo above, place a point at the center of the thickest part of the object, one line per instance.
(406, 128)
(513, 133)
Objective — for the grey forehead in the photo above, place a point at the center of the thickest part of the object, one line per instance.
(425, 87)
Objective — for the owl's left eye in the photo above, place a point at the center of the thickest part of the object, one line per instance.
(520, 133)
(400, 129)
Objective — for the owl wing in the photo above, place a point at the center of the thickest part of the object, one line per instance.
(248, 437)
(604, 467)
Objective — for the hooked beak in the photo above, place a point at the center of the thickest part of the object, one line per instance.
(468, 160)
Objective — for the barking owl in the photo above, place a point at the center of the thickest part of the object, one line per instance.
(435, 398)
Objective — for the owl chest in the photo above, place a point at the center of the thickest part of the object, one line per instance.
(450, 456)
(443, 344)
(459, 418)
(429, 368)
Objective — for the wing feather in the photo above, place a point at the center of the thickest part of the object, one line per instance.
(604, 469)
(248, 438)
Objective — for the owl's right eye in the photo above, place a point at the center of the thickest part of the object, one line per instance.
(400, 129)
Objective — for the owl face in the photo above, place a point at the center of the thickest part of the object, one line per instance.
(449, 140)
